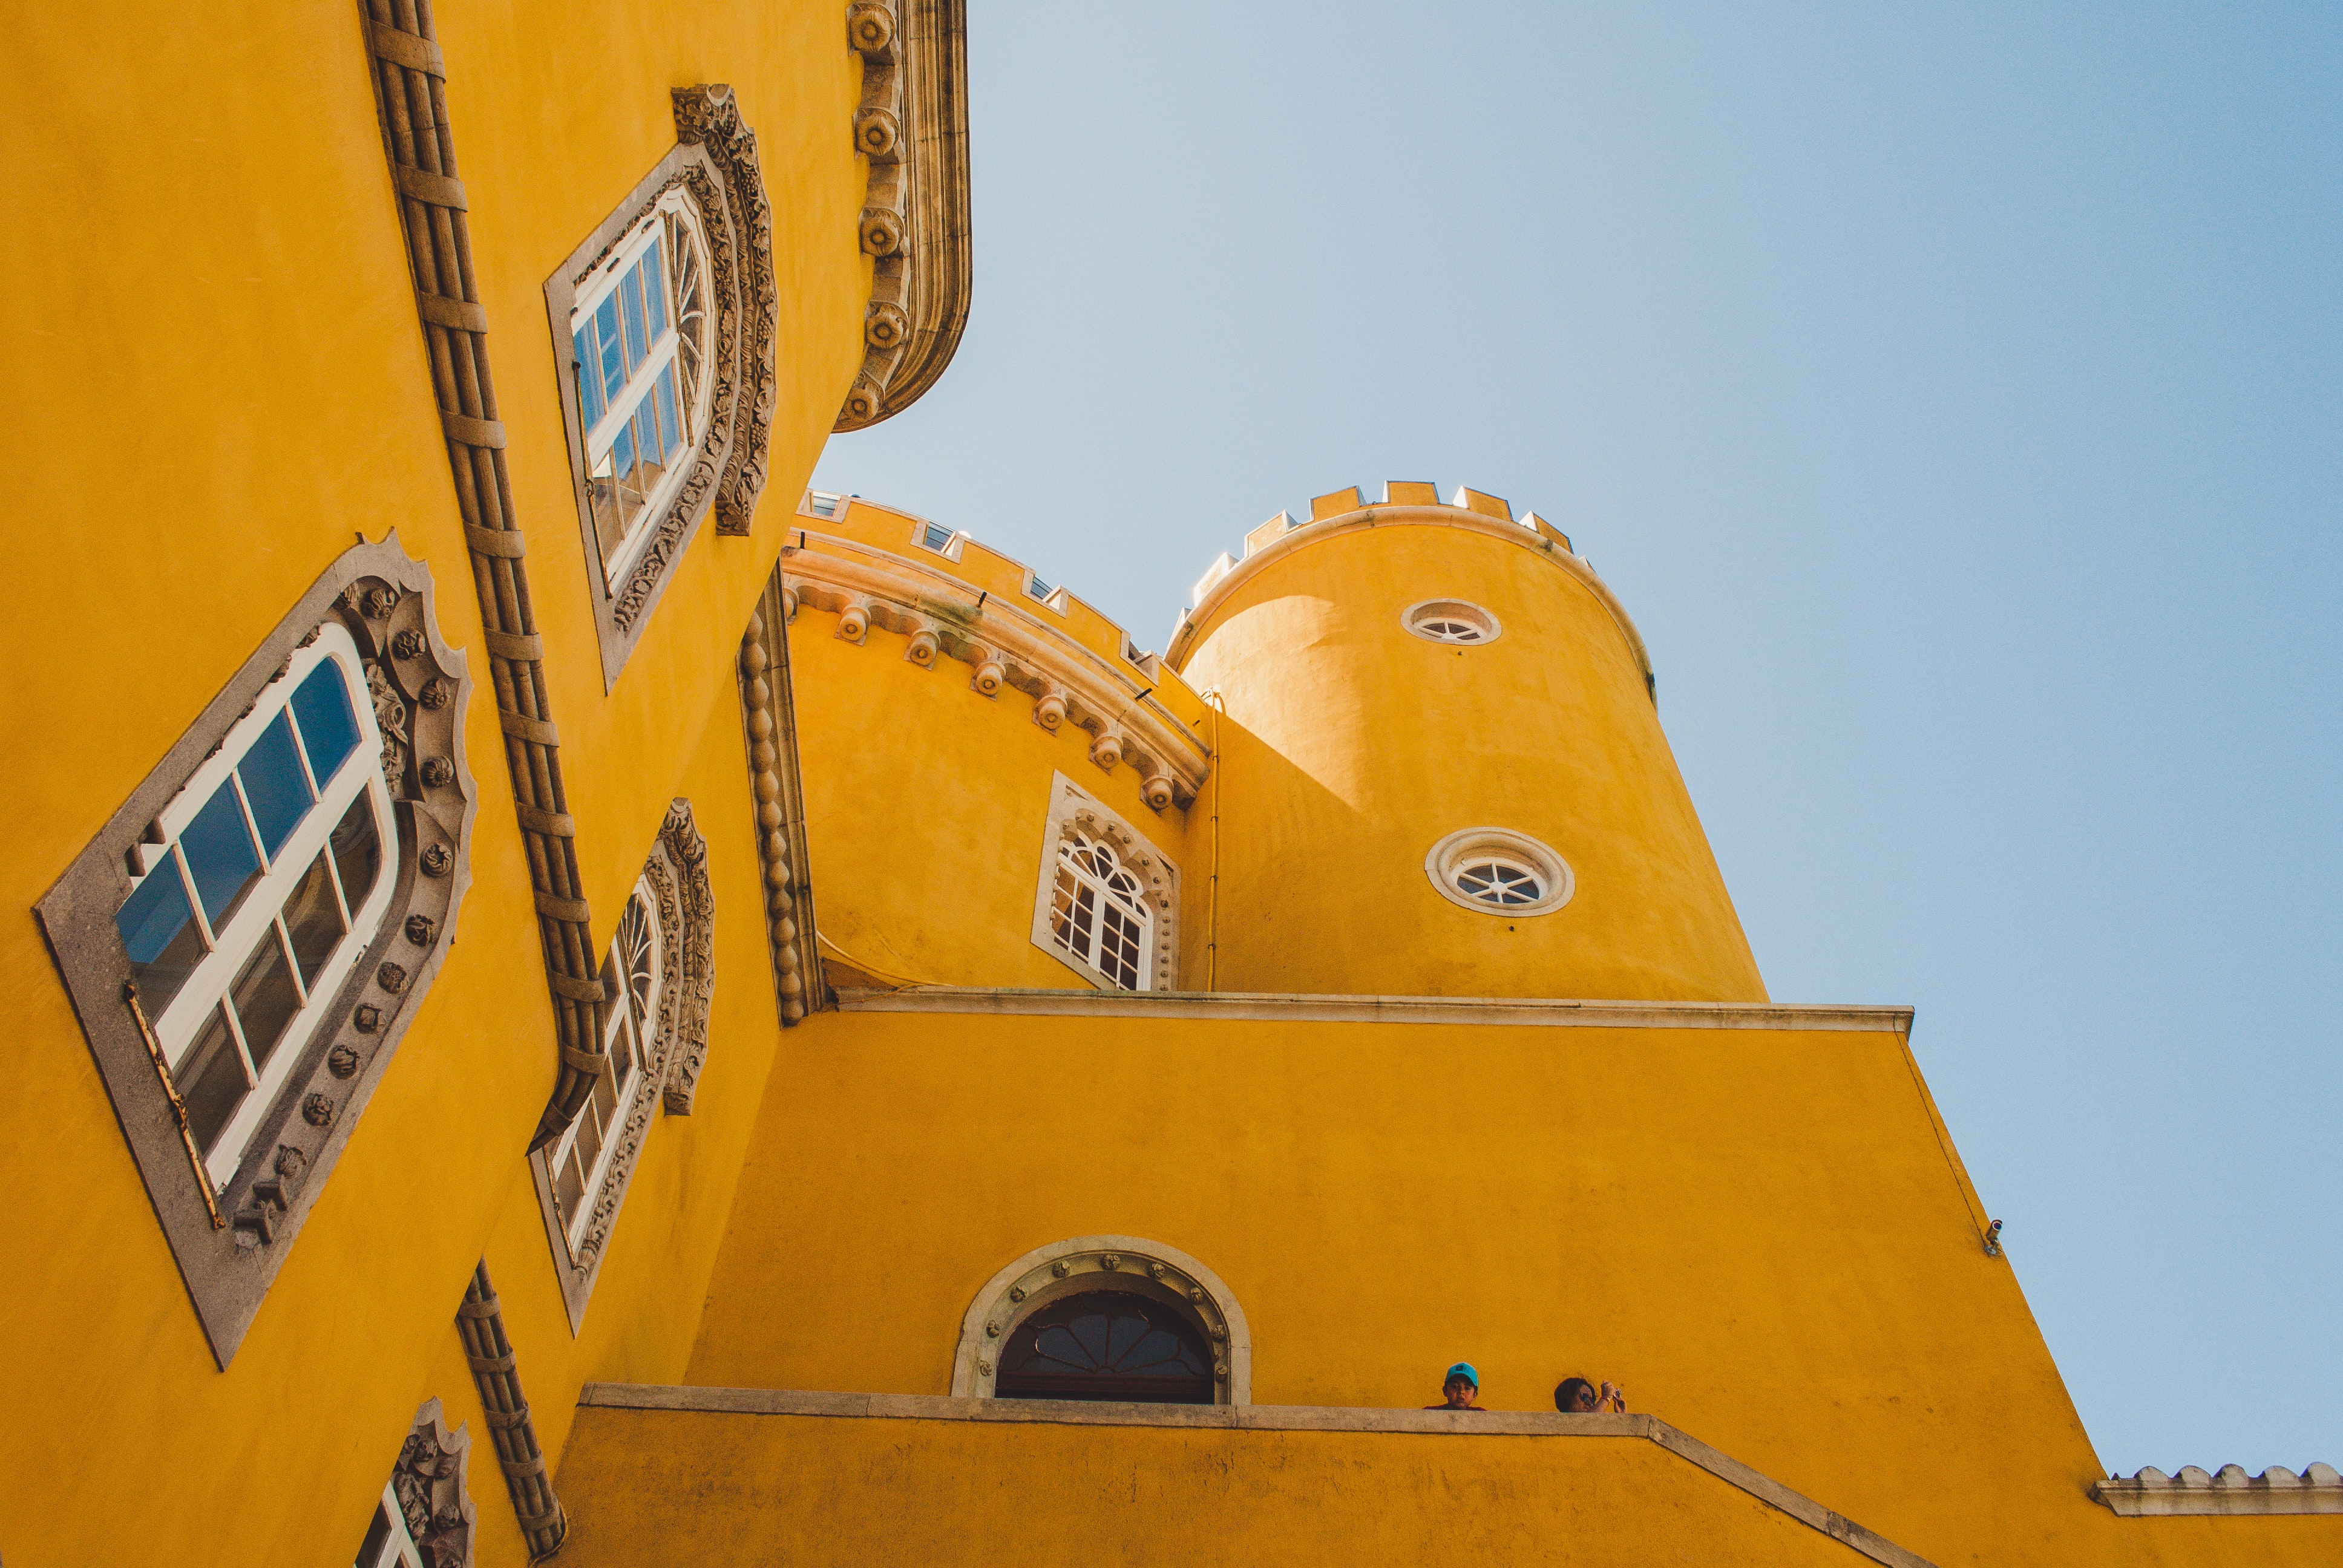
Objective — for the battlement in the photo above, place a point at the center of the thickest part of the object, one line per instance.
(1351, 501)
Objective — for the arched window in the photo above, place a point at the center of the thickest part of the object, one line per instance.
(1450, 620)
(639, 330)
(1097, 912)
(1107, 1345)
(633, 975)
(263, 890)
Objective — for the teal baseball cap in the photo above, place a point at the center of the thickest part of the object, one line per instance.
(1464, 1369)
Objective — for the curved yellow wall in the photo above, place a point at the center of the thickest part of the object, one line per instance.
(926, 803)
(1350, 746)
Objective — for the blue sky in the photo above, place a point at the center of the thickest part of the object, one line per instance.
(1952, 398)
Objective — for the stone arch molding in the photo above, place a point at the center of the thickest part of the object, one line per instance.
(1072, 810)
(1128, 1263)
(675, 1046)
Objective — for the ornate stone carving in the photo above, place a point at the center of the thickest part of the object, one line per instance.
(912, 125)
(674, 1039)
(390, 717)
(1124, 1263)
(317, 1111)
(708, 116)
(773, 778)
(432, 1487)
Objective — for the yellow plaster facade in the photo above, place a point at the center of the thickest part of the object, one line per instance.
(1749, 1213)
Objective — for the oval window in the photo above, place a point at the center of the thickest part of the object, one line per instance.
(1450, 620)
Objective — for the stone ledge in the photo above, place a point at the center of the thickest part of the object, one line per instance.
(1283, 1007)
(2151, 1493)
(759, 1402)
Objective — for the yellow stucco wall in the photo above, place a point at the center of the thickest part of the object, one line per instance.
(1758, 1232)
(1351, 747)
(215, 349)
(691, 1488)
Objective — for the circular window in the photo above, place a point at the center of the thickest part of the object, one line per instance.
(1450, 620)
(1497, 871)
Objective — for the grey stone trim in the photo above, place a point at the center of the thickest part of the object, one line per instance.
(496, 1368)
(2151, 1493)
(1483, 1424)
(1128, 1263)
(623, 611)
(228, 1270)
(1294, 1008)
(432, 1484)
(676, 871)
(777, 796)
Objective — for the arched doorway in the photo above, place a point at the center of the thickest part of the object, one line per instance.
(1107, 1345)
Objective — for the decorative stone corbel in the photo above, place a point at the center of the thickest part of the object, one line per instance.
(912, 125)
(1157, 791)
(990, 673)
(1050, 711)
(1107, 750)
(854, 622)
(924, 647)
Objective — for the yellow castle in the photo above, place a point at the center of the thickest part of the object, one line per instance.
(578, 996)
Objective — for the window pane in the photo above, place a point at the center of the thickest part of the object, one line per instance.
(655, 290)
(631, 301)
(210, 1079)
(357, 852)
(329, 728)
(272, 785)
(589, 388)
(315, 921)
(264, 999)
(568, 1186)
(671, 432)
(220, 855)
(605, 345)
(159, 930)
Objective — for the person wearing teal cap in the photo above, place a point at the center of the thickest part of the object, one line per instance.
(1461, 1388)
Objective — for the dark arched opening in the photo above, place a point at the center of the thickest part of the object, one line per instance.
(1107, 1345)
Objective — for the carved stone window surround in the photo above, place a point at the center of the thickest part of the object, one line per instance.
(712, 171)
(384, 600)
(1095, 694)
(1127, 1263)
(428, 1500)
(1073, 810)
(674, 1045)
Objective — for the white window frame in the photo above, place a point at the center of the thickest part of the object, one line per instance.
(256, 918)
(1469, 846)
(625, 1029)
(1075, 815)
(599, 286)
(1419, 617)
(399, 1549)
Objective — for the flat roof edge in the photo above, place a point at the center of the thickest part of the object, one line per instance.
(1271, 1006)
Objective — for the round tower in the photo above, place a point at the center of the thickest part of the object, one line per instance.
(1441, 769)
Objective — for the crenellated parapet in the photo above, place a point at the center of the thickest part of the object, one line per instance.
(2150, 1492)
(956, 603)
(1404, 502)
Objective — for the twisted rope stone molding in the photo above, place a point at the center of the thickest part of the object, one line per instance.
(1006, 647)
(1474, 1426)
(410, 78)
(2149, 1492)
(912, 125)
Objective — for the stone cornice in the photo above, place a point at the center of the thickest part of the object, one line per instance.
(1480, 1424)
(2151, 1493)
(912, 125)
(979, 628)
(1265, 1006)
(1303, 534)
